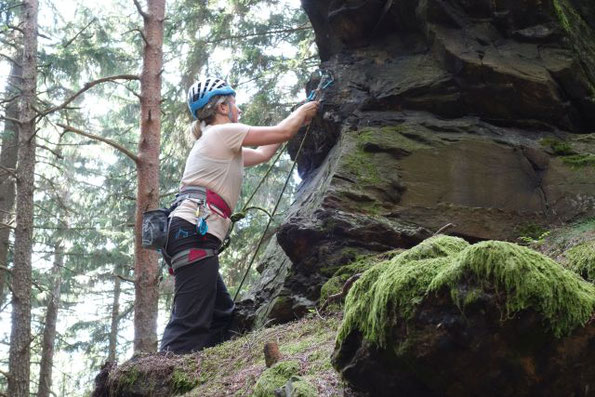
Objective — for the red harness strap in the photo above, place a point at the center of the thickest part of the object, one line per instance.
(214, 200)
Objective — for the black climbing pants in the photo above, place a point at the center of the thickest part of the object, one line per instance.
(202, 307)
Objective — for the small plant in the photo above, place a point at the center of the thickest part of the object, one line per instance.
(557, 146)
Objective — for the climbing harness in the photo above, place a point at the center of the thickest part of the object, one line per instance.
(155, 226)
(326, 80)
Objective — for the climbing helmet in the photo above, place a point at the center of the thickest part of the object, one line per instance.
(203, 90)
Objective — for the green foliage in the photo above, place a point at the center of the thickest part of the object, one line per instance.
(390, 291)
(275, 377)
(557, 146)
(182, 382)
(580, 160)
(531, 233)
(236, 365)
(581, 260)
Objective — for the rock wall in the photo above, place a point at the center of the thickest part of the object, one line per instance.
(474, 113)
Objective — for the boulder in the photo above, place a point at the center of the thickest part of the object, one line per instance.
(446, 318)
(475, 114)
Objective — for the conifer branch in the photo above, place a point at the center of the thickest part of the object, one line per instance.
(85, 88)
(140, 9)
(69, 42)
(110, 142)
(267, 33)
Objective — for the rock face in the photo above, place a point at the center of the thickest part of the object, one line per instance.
(449, 319)
(475, 113)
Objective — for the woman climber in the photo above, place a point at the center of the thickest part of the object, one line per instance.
(210, 189)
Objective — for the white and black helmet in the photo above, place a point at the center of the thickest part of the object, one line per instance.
(202, 91)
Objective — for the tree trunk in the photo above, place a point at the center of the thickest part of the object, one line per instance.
(113, 335)
(8, 159)
(20, 337)
(145, 267)
(49, 331)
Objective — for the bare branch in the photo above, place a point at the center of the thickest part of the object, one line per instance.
(114, 144)
(140, 9)
(10, 59)
(10, 171)
(6, 225)
(346, 287)
(130, 90)
(124, 278)
(142, 35)
(69, 42)
(443, 228)
(16, 121)
(85, 88)
(58, 155)
(6, 269)
(17, 28)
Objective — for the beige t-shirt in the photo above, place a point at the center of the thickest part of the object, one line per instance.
(215, 162)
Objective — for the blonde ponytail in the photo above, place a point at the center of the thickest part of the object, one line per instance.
(194, 131)
(205, 116)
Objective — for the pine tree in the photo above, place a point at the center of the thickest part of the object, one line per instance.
(19, 358)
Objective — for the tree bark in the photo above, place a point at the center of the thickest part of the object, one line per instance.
(146, 267)
(49, 331)
(113, 335)
(20, 337)
(8, 159)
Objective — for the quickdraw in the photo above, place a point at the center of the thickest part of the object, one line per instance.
(326, 80)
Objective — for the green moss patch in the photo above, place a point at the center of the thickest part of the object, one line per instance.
(390, 291)
(235, 367)
(580, 160)
(528, 279)
(576, 152)
(275, 377)
(334, 285)
(581, 259)
(556, 146)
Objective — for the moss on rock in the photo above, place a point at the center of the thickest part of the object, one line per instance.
(275, 377)
(297, 386)
(527, 278)
(581, 260)
(390, 291)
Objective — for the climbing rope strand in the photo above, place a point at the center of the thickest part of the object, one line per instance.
(263, 178)
(272, 214)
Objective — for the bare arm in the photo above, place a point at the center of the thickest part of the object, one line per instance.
(284, 131)
(259, 155)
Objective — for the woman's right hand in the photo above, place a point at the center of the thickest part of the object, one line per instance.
(308, 111)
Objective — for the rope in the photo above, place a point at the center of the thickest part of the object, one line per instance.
(272, 214)
(326, 80)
